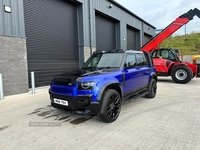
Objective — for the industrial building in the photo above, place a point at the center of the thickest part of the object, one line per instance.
(52, 36)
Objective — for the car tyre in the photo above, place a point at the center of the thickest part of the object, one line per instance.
(111, 106)
(152, 89)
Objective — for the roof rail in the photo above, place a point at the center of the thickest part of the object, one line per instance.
(116, 50)
(98, 52)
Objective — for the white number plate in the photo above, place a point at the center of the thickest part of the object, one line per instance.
(61, 102)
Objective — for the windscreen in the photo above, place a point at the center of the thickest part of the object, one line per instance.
(110, 60)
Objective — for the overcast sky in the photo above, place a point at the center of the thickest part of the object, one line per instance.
(160, 13)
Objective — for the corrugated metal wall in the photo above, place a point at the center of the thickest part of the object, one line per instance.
(125, 17)
(117, 13)
(12, 24)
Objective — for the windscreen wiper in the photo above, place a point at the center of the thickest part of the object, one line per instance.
(100, 68)
(90, 68)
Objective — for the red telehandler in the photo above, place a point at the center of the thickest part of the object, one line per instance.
(166, 61)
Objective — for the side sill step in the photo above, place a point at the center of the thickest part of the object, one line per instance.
(135, 97)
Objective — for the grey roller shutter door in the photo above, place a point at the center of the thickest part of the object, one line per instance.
(147, 38)
(51, 31)
(105, 33)
(132, 38)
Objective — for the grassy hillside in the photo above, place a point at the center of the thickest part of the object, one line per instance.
(187, 44)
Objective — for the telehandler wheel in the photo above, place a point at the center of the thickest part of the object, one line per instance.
(181, 74)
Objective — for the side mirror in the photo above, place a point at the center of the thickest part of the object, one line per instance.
(125, 65)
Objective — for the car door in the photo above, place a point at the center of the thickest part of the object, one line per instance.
(131, 75)
(143, 70)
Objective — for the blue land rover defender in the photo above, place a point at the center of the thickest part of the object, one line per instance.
(104, 82)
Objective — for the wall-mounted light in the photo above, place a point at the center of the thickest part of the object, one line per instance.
(7, 9)
(111, 5)
(124, 39)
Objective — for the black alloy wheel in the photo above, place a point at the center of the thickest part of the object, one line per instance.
(111, 106)
(152, 89)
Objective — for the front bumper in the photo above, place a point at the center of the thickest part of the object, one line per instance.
(77, 103)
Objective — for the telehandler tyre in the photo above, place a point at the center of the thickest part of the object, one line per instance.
(181, 74)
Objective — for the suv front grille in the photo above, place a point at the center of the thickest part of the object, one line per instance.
(63, 81)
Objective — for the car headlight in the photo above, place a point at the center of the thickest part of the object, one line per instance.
(86, 85)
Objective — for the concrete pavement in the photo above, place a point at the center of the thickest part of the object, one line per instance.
(170, 121)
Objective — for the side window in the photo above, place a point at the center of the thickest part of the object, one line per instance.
(167, 54)
(130, 60)
(155, 54)
(171, 56)
(141, 60)
(164, 54)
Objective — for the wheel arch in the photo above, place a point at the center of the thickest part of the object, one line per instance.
(178, 64)
(113, 85)
(171, 67)
(155, 77)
